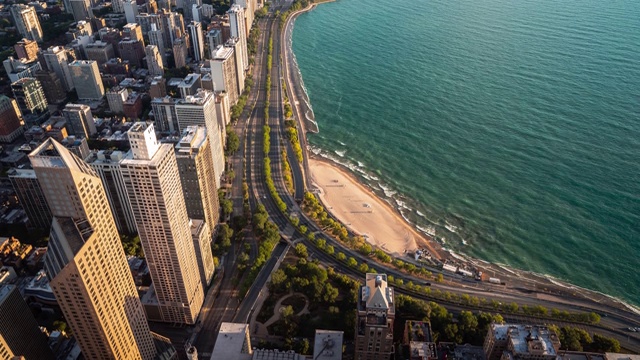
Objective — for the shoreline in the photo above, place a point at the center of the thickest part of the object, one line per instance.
(540, 285)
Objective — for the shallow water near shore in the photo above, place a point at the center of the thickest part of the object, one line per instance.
(510, 129)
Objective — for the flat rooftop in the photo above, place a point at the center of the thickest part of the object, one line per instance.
(230, 342)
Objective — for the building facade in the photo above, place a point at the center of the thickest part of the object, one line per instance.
(26, 21)
(239, 30)
(12, 124)
(164, 113)
(85, 262)
(201, 235)
(29, 95)
(197, 40)
(224, 72)
(56, 60)
(154, 60)
(79, 120)
(86, 79)
(153, 184)
(27, 49)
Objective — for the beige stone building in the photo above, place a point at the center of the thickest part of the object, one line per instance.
(374, 323)
(153, 184)
(85, 261)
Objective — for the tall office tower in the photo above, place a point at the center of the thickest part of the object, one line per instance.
(17, 68)
(201, 235)
(86, 266)
(195, 162)
(81, 10)
(235, 44)
(118, 6)
(175, 23)
(86, 79)
(214, 38)
(238, 30)
(100, 51)
(164, 112)
(79, 120)
(223, 72)
(200, 109)
(153, 185)
(106, 164)
(133, 32)
(31, 198)
(27, 49)
(56, 60)
(156, 37)
(154, 61)
(180, 52)
(187, 5)
(152, 6)
(26, 21)
(11, 122)
(197, 40)
(132, 51)
(111, 36)
(30, 97)
(374, 323)
(130, 10)
(249, 12)
(116, 96)
(52, 86)
(158, 87)
(19, 331)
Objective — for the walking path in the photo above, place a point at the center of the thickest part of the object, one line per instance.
(261, 329)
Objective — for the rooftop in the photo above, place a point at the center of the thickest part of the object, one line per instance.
(192, 138)
(328, 345)
(527, 339)
(376, 295)
(231, 342)
(5, 290)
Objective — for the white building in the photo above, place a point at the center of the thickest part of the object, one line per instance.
(239, 30)
(116, 97)
(197, 40)
(154, 60)
(224, 72)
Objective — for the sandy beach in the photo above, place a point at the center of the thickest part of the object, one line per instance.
(363, 212)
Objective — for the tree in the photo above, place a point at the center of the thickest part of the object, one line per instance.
(329, 249)
(604, 344)
(341, 256)
(301, 251)
(278, 279)
(224, 236)
(439, 278)
(233, 142)
(363, 268)
(365, 249)
(330, 294)
(60, 325)
(227, 207)
(352, 262)
(286, 312)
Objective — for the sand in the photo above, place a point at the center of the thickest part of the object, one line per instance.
(360, 210)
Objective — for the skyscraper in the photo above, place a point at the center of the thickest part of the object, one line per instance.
(130, 10)
(154, 60)
(86, 79)
(56, 60)
(52, 86)
(197, 40)
(214, 38)
(156, 37)
(201, 235)
(30, 97)
(11, 125)
(238, 30)
(79, 120)
(153, 185)
(200, 109)
(26, 20)
(19, 332)
(235, 44)
(180, 52)
(81, 10)
(106, 164)
(374, 323)
(27, 49)
(31, 198)
(85, 262)
(164, 112)
(197, 175)
(223, 72)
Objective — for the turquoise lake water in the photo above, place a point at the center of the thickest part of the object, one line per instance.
(510, 127)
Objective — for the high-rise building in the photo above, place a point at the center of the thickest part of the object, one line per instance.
(187, 5)
(133, 32)
(153, 185)
(233, 342)
(158, 87)
(223, 114)
(11, 122)
(197, 40)
(190, 85)
(180, 52)
(81, 10)
(164, 112)
(235, 44)
(132, 50)
(156, 37)
(201, 235)
(130, 10)
(56, 60)
(27, 49)
(106, 164)
(52, 86)
(85, 262)
(116, 96)
(17, 69)
(375, 317)
(79, 120)
(26, 20)
(526, 342)
(197, 175)
(223, 72)
(117, 6)
(214, 39)
(30, 97)
(20, 335)
(86, 79)
(154, 60)
(31, 198)
(100, 51)
(200, 109)
(239, 30)
(249, 12)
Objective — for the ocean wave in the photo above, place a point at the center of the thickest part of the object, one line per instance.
(387, 190)
(428, 230)
(340, 152)
(421, 214)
